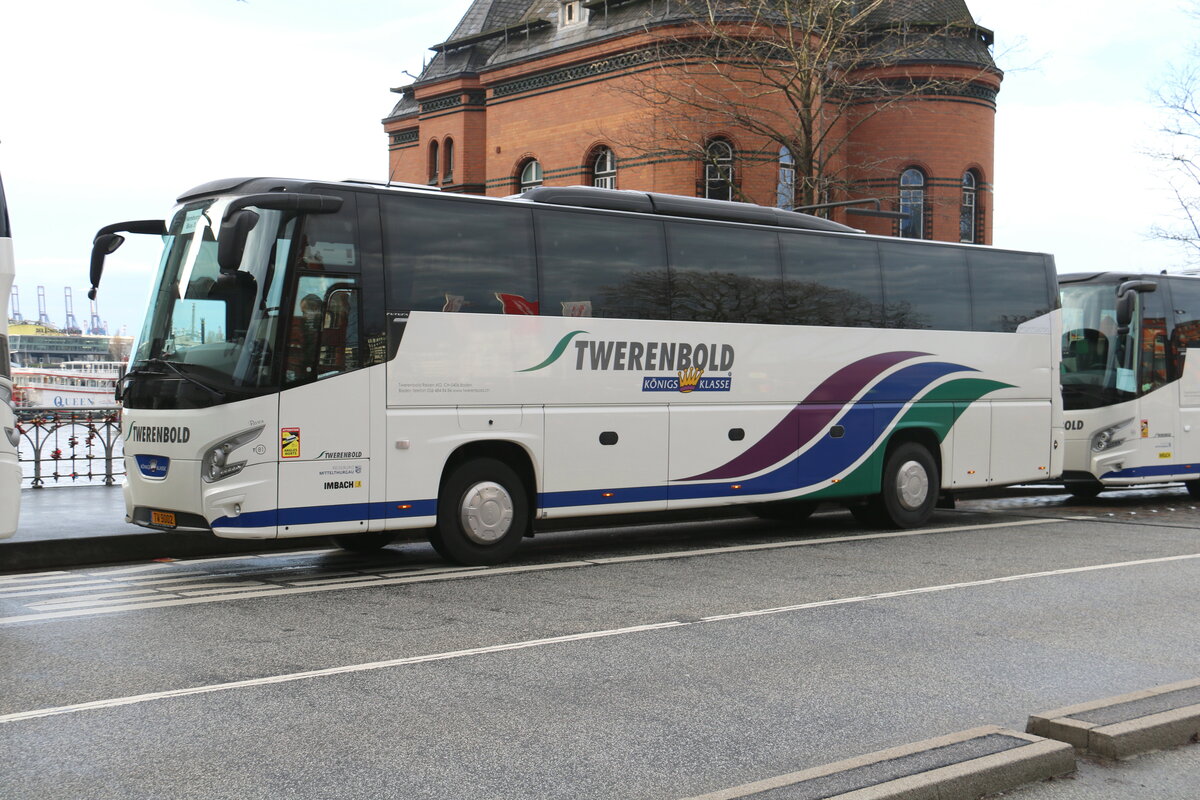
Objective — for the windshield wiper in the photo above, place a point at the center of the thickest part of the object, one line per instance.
(178, 370)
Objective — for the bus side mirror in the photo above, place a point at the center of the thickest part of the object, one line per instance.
(1127, 294)
(107, 241)
(104, 245)
(235, 230)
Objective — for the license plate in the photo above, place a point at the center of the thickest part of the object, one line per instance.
(164, 518)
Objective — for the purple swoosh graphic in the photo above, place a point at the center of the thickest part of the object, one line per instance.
(802, 424)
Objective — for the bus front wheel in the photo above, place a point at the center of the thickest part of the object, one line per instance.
(1193, 487)
(483, 512)
(910, 487)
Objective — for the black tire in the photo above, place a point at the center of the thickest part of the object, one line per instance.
(1193, 487)
(1084, 490)
(910, 487)
(363, 542)
(785, 510)
(483, 512)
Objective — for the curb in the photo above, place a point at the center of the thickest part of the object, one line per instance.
(1126, 725)
(967, 764)
(121, 548)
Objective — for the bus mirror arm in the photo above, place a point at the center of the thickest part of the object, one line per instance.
(107, 240)
(1126, 297)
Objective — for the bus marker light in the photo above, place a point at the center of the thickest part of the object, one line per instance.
(404, 506)
(607, 494)
(736, 486)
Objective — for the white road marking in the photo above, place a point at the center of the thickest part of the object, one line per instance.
(116, 702)
(177, 596)
(34, 576)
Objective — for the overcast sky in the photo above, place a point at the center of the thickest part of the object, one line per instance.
(110, 110)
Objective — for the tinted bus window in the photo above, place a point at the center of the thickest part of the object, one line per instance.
(596, 266)
(442, 255)
(925, 287)
(831, 281)
(1185, 297)
(1007, 289)
(723, 274)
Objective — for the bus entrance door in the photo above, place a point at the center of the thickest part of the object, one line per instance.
(325, 414)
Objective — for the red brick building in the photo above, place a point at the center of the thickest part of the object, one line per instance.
(525, 92)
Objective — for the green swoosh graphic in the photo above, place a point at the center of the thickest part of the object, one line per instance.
(937, 410)
(559, 349)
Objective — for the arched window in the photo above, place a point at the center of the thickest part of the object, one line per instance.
(912, 203)
(718, 170)
(531, 175)
(433, 162)
(448, 161)
(966, 213)
(604, 169)
(785, 192)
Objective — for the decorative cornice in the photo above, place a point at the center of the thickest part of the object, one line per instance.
(445, 102)
(406, 136)
(635, 58)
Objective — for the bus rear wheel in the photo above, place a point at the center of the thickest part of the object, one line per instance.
(483, 512)
(1193, 487)
(910, 487)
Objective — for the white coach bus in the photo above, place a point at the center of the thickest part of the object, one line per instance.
(10, 470)
(357, 360)
(1131, 380)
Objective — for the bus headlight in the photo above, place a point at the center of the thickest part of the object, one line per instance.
(1107, 438)
(215, 465)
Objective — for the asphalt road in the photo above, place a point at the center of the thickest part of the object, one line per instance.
(654, 661)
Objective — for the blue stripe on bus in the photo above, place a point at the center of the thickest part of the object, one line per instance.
(1151, 472)
(346, 512)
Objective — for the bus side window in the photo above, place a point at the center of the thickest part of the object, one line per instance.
(1185, 334)
(925, 287)
(323, 331)
(458, 256)
(339, 348)
(1152, 342)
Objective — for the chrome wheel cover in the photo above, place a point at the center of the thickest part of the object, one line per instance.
(912, 485)
(486, 513)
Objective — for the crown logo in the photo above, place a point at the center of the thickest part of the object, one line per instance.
(689, 379)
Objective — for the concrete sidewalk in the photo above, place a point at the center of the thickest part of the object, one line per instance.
(71, 526)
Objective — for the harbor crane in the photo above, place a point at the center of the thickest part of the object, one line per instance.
(95, 326)
(43, 317)
(72, 325)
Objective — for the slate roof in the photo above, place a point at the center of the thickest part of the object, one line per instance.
(493, 33)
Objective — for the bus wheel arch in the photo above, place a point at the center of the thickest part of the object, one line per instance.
(485, 503)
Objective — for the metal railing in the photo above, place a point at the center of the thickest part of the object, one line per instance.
(77, 446)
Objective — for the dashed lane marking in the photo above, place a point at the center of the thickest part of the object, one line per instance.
(116, 702)
(73, 598)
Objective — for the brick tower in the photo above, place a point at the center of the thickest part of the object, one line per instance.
(526, 92)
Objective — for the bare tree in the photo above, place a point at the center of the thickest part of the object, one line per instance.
(796, 74)
(1180, 98)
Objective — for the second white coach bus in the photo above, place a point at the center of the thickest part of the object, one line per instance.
(10, 470)
(1131, 380)
(356, 360)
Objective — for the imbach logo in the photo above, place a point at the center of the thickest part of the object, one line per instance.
(169, 434)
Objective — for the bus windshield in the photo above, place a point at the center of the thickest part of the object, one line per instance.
(1099, 366)
(216, 331)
